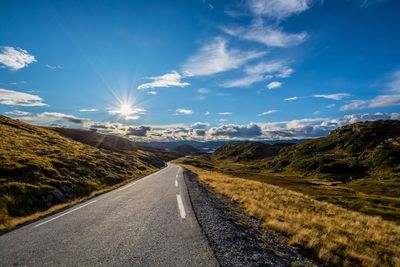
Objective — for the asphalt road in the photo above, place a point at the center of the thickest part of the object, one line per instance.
(148, 222)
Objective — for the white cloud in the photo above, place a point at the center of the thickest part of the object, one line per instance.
(183, 111)
(379, 101)
(271, 36)
(278, 9)
(151, 92)
(15, 98)
(215, 57)
(338, 96)
(89, 110)
(171, 79)
(18, 113)
(225, 113)
(260, 72)
(394, 84)
(273, 85)
(207, 113)
(268, 112)
(15, 58)
(54, 67)
(203, 91)
(331, 106)
(47, 117)
(293, 98)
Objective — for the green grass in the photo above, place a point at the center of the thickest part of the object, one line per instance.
(39, 169)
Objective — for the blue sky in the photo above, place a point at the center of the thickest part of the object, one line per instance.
(156, 70)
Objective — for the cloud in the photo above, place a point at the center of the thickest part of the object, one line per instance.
(271, 36)
(18, 113)
(200, 125)
(89, 110)
(15, 58)
(268, 112)
(293, 98)
(15, 98)
(331, 106)
(278, 9)
(207, 113)
(138, 131)
(273, 85)
(394, 84)
(203, 91)
(47, 117)
(215, 57)
(236, 131)
(379, 101)
(225, 113)
(54, 67)
(338, 96)
(151, 92)
(261, 72)
(183, 111)
(171, 79)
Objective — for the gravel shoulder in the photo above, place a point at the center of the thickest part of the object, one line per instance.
(236, 238)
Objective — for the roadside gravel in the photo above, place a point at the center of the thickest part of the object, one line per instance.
(235, 237)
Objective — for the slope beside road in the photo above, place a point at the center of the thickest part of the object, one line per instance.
(148, 222)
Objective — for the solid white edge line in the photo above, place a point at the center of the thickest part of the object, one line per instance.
(180, 206)
(127, 186)
(65, 213)
(176, 183)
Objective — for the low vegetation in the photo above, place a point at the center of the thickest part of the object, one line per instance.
(40, 169)
(335, 235)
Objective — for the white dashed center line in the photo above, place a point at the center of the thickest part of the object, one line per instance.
(180, 206)
(176, 183)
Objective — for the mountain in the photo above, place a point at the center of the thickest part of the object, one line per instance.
(360, 149)
(245, 151)
(186, 149)
(40, 168)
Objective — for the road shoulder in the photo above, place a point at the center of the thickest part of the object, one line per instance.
(235, 237)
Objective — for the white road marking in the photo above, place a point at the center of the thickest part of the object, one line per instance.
(127, 186)
(180, 206)
(177, 175)
(176, 183)
(65, 213)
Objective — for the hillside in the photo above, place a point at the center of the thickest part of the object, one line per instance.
(186, 149)
(40, 168)
(246, 151)
(356, 167)
(353, 151)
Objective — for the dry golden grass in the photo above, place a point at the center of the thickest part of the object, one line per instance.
(335, 235)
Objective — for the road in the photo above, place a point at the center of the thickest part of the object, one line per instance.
(148, 222)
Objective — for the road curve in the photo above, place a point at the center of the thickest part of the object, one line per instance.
(148, 222)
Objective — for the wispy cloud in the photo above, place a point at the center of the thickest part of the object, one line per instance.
(131, 114)
(18, 113)
(268, 112)
(274, 85)
(57, 67)
(338, 96)
(89, 110)
(394, 83)
(47, 117)
(271, 36)
(293, 98)
(171, 79)
(183, 111)
(260, 72)
(207, 113)
(15, 98)
(278, 9)
(379, 101)
(225, 113)
(15, 58)
(215, 57)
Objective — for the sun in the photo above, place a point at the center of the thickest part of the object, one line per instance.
(125, 110)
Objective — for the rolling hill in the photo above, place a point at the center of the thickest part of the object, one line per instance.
(39, 168)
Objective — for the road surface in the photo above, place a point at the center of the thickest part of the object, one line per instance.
(148, 222)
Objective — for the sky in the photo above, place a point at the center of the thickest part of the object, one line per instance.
(200, 69)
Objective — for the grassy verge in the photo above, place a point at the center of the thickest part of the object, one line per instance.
(23, 220)
(335, 235)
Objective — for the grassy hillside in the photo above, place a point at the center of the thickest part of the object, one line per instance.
(246, 151)
(356, 167)
(353, 151)
(336, 236)
(39, 168)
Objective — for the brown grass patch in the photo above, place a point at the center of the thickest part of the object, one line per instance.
(335, 235)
